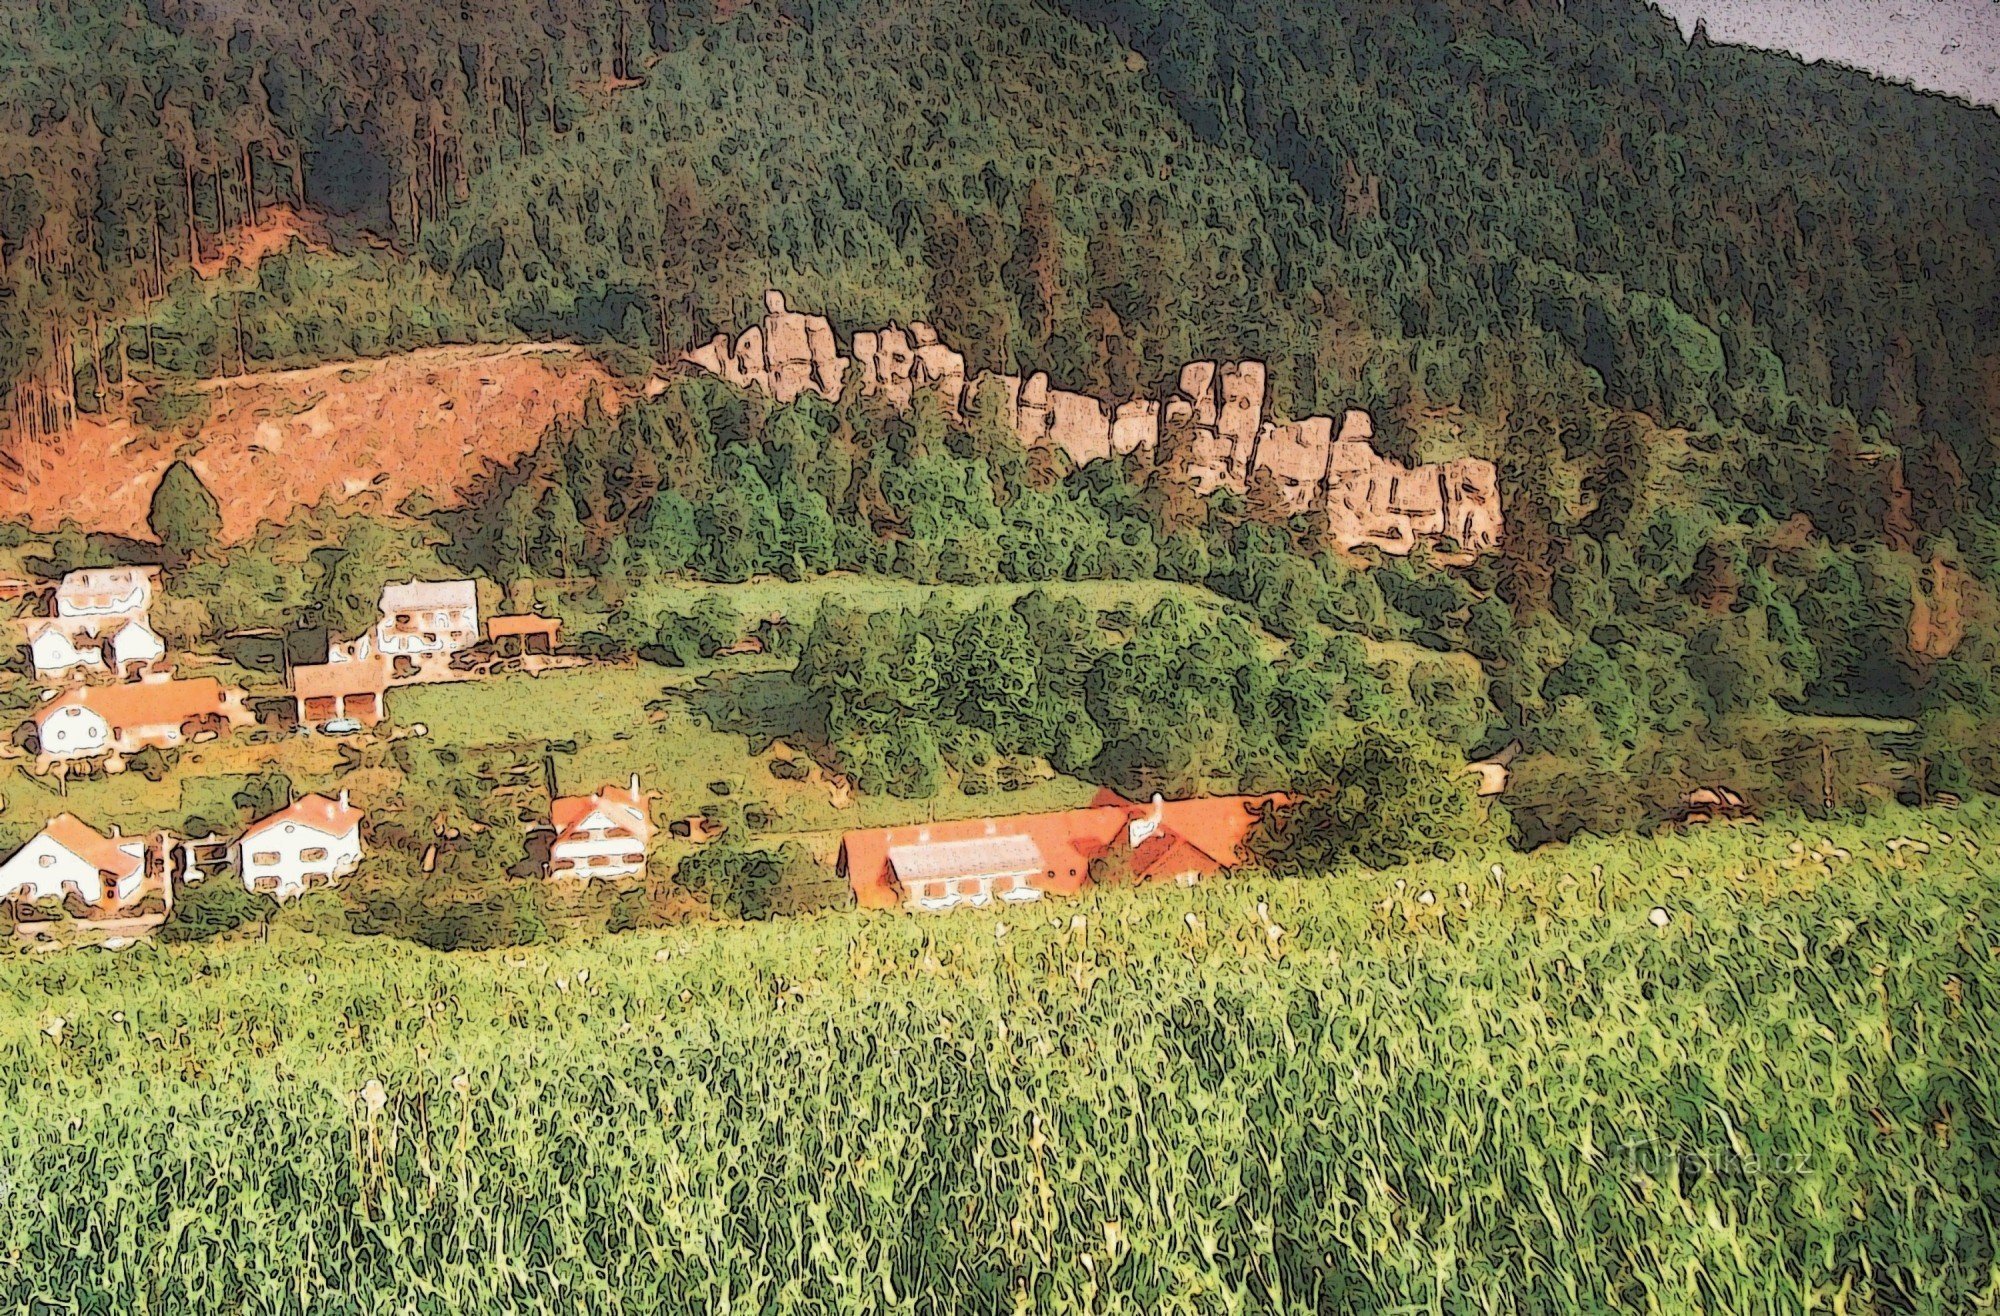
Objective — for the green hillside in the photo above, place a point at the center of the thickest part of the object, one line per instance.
(1736, 362)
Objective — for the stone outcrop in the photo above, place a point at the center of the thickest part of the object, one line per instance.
(1212, 428)
(785, 356)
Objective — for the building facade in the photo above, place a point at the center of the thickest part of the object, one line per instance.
(312, 843)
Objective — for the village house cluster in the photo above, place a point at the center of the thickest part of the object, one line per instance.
(424, 631)
(111, 694)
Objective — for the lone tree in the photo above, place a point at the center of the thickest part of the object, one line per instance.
(184, 516)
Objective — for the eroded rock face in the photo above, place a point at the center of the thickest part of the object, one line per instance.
(1212, 424)
(785, 356)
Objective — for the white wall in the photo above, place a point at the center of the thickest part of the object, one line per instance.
(590, 843)
(74, 732)
(274, 858)
(44, 866)
(940, 893)
(441, 622)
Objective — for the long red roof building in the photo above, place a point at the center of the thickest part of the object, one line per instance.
(981, 861)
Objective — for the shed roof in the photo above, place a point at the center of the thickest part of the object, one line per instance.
(526, 623)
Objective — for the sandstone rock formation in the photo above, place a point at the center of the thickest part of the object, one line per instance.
(788, 354)
(1212, 428)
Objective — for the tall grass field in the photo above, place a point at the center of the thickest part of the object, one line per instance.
(1751, 1069)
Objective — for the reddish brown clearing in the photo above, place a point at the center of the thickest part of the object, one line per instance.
(376, 430)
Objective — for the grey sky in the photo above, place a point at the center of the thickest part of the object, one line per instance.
(1942, 45)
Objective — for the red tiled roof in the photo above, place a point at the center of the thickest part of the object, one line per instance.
(101, 852)
(624, 807)
(1204, 835)
(333, 817)
(357, 676)
(144, 703)
(522, 624)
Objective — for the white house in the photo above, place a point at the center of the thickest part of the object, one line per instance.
(106, 592)
(69, 728)
(601, 835)
(310, 844)
(55, 653)
(428, 617)
(97, 719)
(60, 647)
(68, 854)
(134, 647)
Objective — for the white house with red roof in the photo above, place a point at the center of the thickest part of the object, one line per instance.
(311, 843)
(68, 854)
(600, 835)
(89, 720)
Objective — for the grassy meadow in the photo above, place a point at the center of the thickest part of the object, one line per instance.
(1472, 1088)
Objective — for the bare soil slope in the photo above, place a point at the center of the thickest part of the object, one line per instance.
(268, 443)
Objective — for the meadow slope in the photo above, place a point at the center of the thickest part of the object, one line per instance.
(1465, 1089)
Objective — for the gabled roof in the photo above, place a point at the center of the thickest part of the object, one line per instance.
(621, 807)
(331, 817)
(143, 703)
(108, 855)
(419, 595)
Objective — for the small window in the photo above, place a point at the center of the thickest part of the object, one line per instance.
(313, 855)
(47, 861)
(318, 879)
(267, 884)
(264, 857)
(635, 859)
(600, 861)
(935, 891)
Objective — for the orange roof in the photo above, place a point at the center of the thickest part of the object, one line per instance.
(106, 854)
(624, 807)
(144, 703)
(357, 676)
(333, 817)
(1203, 835)
(522, 624)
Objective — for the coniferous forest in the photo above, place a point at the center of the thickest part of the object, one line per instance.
(1728, 324)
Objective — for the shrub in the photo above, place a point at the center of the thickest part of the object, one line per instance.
(213, 907)
(739, 883)
(1381, 800)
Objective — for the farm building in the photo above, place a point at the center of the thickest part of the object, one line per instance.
(67, 855)
(523, 634)
(311, 843)
(600, 835)
(352, 688)
(938, 866)
(90, 720)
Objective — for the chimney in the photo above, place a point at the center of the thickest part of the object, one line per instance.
(635, 785)
(343, 797)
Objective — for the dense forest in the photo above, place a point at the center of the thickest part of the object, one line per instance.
(1729, 324)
